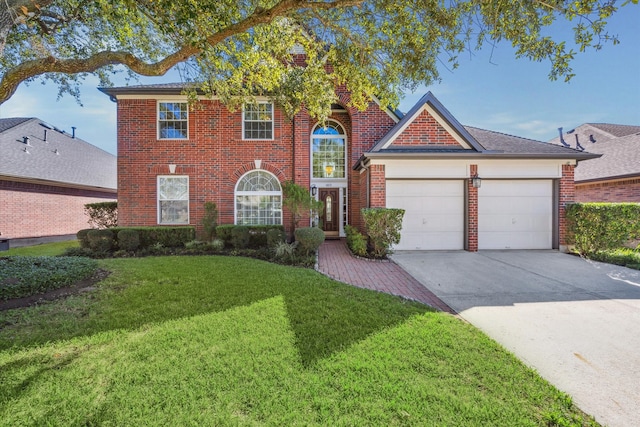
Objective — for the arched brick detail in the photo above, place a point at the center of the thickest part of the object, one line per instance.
(247, 167)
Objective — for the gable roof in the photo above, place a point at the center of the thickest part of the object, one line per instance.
(58, 160)
(430, 104)
(620, 155)
(476, 142)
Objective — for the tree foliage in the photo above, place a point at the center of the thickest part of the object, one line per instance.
(237, 49)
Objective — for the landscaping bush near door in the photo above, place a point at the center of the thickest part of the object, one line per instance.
(383, 228)
(595, 227)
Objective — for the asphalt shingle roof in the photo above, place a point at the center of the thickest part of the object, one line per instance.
(59, 159)
(620, 154)
(510, 144)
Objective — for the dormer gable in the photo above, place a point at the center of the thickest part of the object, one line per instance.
(428, 126)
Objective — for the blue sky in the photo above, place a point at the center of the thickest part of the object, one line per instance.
(491, 90)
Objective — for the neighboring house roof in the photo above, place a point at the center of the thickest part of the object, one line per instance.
(60, 159)
(475, 142)
(618, 145)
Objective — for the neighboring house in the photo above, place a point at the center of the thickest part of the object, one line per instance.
(614, 177)
(46, 178)
(173, 159)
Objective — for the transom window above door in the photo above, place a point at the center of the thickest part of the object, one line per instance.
(328, 151)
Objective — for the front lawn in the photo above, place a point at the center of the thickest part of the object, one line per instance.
(209, 340)
(45, 249)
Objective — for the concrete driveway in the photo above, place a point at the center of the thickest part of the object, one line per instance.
(576, 322)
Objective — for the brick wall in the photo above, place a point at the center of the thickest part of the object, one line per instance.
(215, 156)
(34, 210)
(377, 187)
(627, 190)
(425, 130)
(472, 213)
(567, 195)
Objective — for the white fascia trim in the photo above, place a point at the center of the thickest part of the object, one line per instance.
(386, 110)
(158, 97)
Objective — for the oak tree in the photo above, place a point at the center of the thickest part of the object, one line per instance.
(237, 49)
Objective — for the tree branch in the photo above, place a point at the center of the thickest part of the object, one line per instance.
(33, 68)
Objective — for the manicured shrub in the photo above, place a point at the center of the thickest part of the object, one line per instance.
(240, 237)
(210, 220)
(594, 227)
(223, 232)
(103, 214)
(128, 239)
(356, 241)
(22, 276)
(309, 239)
(82, 237)
(168, 237)
(100, 240)
(275, 236)
(383, 228)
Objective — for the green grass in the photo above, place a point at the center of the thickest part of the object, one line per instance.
(234, 341)
(45, 249)
(626, 257)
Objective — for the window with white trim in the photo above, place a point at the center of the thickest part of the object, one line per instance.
(258, 199)
(328, 150)
(173, 120)
(257, 121)
(173, 199)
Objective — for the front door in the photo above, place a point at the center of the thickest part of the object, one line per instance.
(329, 217)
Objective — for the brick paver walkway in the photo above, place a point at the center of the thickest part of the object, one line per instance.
(335, 260)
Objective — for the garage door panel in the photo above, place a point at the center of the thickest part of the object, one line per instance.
(434, 213)
(515, 214)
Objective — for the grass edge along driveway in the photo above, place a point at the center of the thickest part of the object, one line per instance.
(235, 341)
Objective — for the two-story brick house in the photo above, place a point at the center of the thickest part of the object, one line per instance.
(462, 188)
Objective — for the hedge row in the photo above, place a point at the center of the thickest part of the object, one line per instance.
(595, 227)
(246, 236)
(125, 238)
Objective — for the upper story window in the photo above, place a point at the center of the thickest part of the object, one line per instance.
(257, 121)
(173, 199)
(328, 151)
(173, 120)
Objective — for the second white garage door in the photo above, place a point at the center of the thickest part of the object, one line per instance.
(434, 217)
(515, 214)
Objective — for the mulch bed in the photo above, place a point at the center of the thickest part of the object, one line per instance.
(78, 287)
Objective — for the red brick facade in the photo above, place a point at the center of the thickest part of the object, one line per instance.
(425, 130)
(215, 156)
(567, 196)
(472, 211)
(626, 190)
(34, 210)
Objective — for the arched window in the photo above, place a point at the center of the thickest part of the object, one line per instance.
(329, 151)
(258, 199)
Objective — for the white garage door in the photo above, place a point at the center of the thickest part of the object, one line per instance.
(515, 214)
(434, 217)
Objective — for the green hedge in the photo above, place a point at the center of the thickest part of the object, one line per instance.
(169, 237)
(356, 241)
(595, 227)
(257, 234)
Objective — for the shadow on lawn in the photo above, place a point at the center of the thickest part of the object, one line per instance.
(326, 316)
